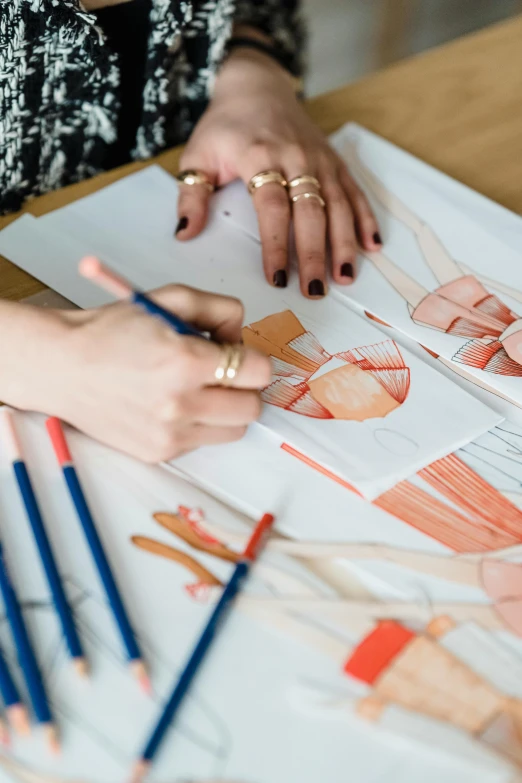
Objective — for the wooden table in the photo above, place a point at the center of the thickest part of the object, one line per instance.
(458, 107)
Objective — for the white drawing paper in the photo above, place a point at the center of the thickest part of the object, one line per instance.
(245, 690)
(441, 278)
(349, 399)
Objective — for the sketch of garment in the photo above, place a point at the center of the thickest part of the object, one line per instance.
(467, 513)
(369, 640)
(461, 305)
(415, 671)
(354, 385)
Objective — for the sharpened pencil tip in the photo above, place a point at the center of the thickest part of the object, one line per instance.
(18, 718)
(82, 667)
(139, 670)
(53, 739)
(140, 770)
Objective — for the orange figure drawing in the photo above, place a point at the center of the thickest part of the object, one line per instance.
(354, 385)
(496, 572)
(461, 305)
(378, 644)
(416, 672)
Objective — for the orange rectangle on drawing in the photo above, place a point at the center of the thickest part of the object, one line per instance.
(371, 657)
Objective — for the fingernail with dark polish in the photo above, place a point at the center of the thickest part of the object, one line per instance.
(183, 223)
(347, 270)
(316, 288)
(377, 238)
(280, 278)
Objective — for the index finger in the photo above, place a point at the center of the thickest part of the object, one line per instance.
(222, 316)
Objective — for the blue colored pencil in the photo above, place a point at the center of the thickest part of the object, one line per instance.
(28, 663)
(213, 625)
(44, 547)
(170, 319)
(63, 455)
(93, 269)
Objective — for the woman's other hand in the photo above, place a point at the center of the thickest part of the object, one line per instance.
(256, 123)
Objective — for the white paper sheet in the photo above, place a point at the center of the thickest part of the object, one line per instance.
(428, 245)
(235, 205)
(244, 691)
(414, 415)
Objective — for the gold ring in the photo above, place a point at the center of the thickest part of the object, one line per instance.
(309, 195)
(304, 179)
(229, 364)
(194, 177)
(266, 178)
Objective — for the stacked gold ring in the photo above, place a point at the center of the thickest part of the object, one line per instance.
(266, 178)
(229, 364)
(309, 195)
(195, 177)
(306, 179)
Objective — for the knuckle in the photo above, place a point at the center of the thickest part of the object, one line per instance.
(162, 445)
(362, 203)
(178, 295)
(169, 445)
(296, 155)
(335, 195)
(185, 365)
(174, 410)
(237, 309)
(260, 153)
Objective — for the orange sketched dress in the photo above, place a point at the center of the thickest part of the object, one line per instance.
(465, 308)
(416, 672)
(353, 385)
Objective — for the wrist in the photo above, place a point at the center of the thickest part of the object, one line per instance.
(32, 348)
(244, 66)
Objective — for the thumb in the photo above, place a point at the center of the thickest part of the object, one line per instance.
(193, 200)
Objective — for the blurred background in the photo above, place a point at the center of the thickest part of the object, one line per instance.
(351, 38)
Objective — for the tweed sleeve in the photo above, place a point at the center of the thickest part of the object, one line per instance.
(282, 21)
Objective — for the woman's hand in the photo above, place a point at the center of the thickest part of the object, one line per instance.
(127, 380)
(255, 123)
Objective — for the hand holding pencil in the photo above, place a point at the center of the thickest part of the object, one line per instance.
(136, 385)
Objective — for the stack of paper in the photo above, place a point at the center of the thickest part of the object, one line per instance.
(385, 635)
(344, 394)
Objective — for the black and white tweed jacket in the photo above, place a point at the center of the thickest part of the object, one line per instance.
(59, 83)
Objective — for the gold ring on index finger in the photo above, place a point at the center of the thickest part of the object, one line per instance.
(195, 177)
(266, 178)
(229, 364)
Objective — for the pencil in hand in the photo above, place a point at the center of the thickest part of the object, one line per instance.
(63, 455)
(92, 269)
(34, 516)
